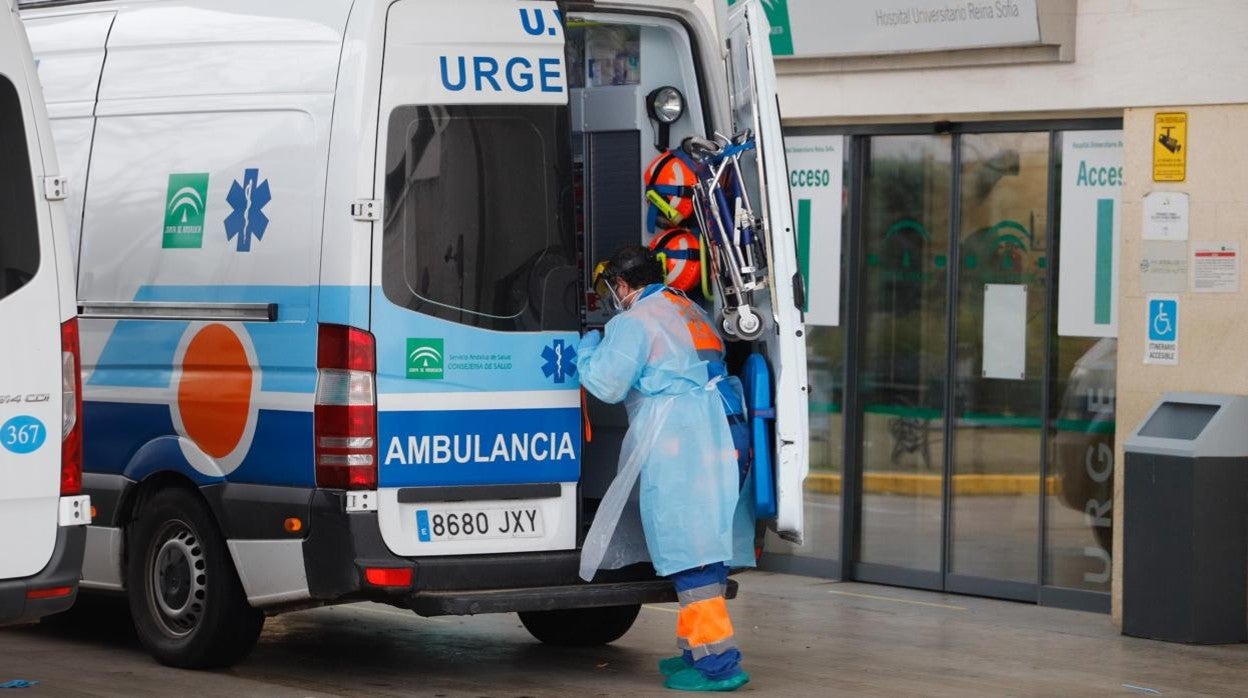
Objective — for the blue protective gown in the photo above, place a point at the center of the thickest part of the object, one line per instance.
(655, 357)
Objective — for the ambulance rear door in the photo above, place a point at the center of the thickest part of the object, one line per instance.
(754, 105)
(31, 372)
(475, 302)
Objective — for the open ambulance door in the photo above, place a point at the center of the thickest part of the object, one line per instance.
(478, 402)
(754, 105)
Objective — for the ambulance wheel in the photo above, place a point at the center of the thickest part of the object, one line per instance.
(186, 600)
(580, 627)
(747, 325)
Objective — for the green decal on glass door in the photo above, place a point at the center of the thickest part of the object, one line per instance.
(1103, 301)
(803, 245)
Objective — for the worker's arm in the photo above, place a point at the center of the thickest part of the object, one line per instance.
(610, 368)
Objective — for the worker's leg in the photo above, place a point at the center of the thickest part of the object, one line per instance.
(704, 633)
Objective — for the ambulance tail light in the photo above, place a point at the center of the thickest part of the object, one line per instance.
(345, 416)
(71, 410)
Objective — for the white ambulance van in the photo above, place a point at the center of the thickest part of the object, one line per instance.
(332, 261)
(43, 514)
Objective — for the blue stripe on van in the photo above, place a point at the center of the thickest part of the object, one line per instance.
(139, 353)
(454, 447)
(132, 440)
(476, 447)
(137, 440)
(345, 305)
(475, 360)
(281, 452)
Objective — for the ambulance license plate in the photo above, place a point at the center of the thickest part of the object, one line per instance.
(478, 523)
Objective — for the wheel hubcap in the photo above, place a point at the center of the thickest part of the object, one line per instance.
(179, 578)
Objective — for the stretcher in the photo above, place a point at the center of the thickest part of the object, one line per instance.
(731, 233)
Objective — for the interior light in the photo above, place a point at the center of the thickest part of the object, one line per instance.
(665, 105)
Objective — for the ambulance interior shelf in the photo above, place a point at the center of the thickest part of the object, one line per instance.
(634, 101)
(614, 62)
(614, 137)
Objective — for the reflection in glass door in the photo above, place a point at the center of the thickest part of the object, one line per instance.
(998, 382)
(977, 443)
(953, 502)
(902, 364)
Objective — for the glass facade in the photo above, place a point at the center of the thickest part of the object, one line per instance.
(976, 442)
(904, 337)
(998, 379)
(1079, 531)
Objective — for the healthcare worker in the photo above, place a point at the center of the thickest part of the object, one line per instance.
(661, 356)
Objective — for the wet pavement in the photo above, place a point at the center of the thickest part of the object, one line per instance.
(800, 636)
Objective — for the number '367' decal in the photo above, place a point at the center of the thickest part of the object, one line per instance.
(22, 434)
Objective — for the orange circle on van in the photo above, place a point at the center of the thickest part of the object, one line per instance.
(214, 394)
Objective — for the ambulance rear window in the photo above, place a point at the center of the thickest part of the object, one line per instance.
(475, 226)
(19, 230)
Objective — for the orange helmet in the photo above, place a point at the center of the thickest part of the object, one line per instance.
(680, 251)
(669, 190)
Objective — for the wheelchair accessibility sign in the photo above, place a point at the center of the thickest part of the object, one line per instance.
(1162, 346)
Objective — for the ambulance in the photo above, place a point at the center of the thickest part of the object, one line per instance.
(43, 513)
(333, 264)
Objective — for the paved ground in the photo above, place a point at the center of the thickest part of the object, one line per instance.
(801, 636)
(996, 537)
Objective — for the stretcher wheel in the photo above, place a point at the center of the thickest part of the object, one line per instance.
(747, 325)
(728, 324)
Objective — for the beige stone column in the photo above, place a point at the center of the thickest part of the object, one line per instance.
(1213, 327)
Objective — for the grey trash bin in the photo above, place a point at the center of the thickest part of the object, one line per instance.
(1185, 534)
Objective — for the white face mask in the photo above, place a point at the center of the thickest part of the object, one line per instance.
(627, 301)
(620, 304)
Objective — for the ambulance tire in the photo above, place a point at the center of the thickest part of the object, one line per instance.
(191, 613)
(580, 627)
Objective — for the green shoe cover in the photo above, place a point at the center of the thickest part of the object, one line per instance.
(692, 680)
(671, 665)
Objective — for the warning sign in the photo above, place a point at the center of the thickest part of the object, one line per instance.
(1170, 147)
(1215, 268)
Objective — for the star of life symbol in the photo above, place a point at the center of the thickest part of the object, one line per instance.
(248, 201)
(560, 361)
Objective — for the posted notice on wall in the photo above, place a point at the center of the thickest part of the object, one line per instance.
(1166, 215)
(1091, 225)
(1215, 267)
(1163, 266)
(816, 180)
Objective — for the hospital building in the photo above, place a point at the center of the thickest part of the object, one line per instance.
(993, 199)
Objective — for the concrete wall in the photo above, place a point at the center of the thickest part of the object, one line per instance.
(1213, 334)
(1128, 53)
